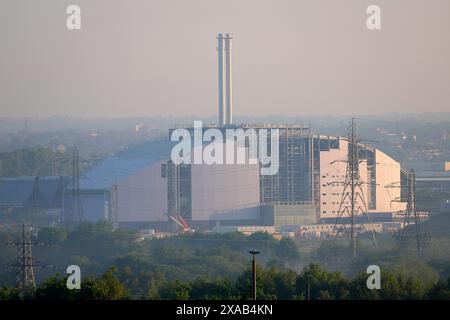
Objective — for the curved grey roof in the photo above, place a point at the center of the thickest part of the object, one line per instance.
(125, 163)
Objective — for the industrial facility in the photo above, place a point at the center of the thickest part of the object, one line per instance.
(141, 187)
(308, 188)
(126, 188)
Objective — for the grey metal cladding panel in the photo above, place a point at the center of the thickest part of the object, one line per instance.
(48, 189)
(251, 213)
(93, 205)
(16, 191)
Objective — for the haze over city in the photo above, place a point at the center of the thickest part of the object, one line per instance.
(159, 58)
(230, 154)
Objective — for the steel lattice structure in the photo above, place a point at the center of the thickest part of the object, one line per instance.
(411, 222)
(25, 272)
(25, 263)
(352, 202)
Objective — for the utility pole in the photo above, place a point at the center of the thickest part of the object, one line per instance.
(253, 253)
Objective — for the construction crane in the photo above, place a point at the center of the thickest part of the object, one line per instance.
(181, 223)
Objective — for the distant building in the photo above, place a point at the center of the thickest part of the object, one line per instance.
(126, 189)
(283, 216)
(33, 192)
(312, 170)
(61, 148)
(325, 231)
(247, 230)
(381, 178)
(447, 166)
(140, 187)
(435, 183)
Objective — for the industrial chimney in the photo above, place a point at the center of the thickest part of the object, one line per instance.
(228, 86)
(220, 53)
(225, 81)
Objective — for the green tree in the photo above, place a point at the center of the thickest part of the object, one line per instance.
(107, 287)
(322, 284)
(177, 290)
(204, 289)
(54, 288)
(52, 235)
(9, 293)
(288, 250)
(441, 291)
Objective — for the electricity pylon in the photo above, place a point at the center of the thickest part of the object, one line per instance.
(352, 200)
(25, 262)
(25, 274)
(412, 217)
(77, 208)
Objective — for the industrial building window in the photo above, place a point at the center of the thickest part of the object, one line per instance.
(324, 194)
(334, 144)
(324, 212)
(324, 203)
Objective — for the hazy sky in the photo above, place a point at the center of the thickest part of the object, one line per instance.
(158, 57)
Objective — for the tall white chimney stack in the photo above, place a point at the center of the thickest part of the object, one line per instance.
(225, 81)
(228, 80)
(221, 73)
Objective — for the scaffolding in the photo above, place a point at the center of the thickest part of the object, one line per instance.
(297, 168)
(179, 195)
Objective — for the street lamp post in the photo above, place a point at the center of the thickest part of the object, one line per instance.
(308, 284)
(253, 253)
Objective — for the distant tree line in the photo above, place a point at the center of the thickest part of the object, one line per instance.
(34, 162)
(272, 284)
(206, 266)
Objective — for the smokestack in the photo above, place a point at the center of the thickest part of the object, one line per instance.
(228, 81)
(220, 53)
